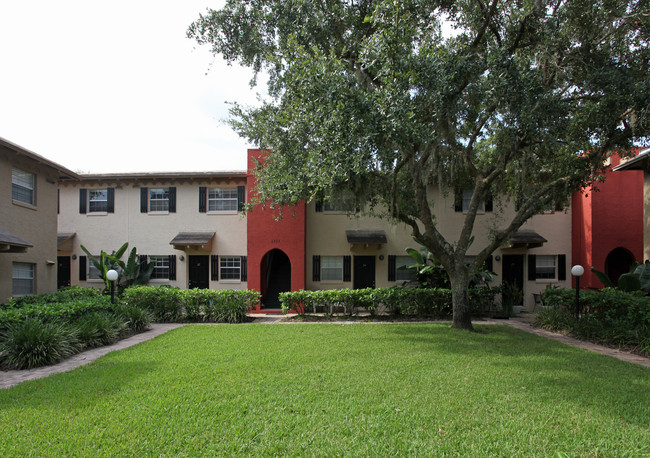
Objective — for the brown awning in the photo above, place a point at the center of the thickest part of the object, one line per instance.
(366, 236)
(525, 238)
(10, 243)
(64, 241)
(196, 240)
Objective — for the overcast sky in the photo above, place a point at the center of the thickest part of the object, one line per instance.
(117, 87)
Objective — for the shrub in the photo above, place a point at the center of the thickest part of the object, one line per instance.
(135, 319)
(68, 294)
(96, 329)
(33, 343)
(195, 305)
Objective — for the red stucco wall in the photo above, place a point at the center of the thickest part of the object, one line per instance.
(265, 233)
(605, 217)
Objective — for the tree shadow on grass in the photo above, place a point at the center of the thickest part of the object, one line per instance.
(550, 371)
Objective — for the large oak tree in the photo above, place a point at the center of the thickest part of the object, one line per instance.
(396, 100)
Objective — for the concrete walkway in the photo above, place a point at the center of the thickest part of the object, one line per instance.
(523, 322)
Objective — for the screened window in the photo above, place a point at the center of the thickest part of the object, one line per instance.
(222, 199)
(545, 266)
(98, 200)
(401, 271)
(230, 267)
(331, 268)
(467, 198)
(93, 272)
(23, 278)
(161, 267)
(159, 199)
(339, 204)
(22, 186)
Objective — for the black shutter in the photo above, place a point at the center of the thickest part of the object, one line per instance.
(82, 268)
(561, 266)
(488, 202)
(241, 198)
(489, 263)
(203, 198)
(458, 200)
(392, 267)
(144, 200)
(214, 267)
(244, 268)
(316, 268)
(172, 267)
(58, 201)
(319, 205)
(110, 200)
(83, 200)
(347, 268)
(172, 199)
(531, 267)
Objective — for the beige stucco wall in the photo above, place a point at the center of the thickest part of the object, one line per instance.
(151, 232)
(326, 237)
(35, 224)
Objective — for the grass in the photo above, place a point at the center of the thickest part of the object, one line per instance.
(330, 389)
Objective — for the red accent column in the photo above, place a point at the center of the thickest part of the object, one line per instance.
(606, 217)
(266, 233)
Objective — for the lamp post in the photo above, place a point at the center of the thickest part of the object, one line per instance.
(577, 271)
(111, 276)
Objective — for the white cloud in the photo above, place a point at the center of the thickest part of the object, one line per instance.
(117, 87)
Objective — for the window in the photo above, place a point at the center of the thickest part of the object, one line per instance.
(161, 267)
(159, 199)
(93, 272)
(544, 266)
(98, 201)
(22, 186)
(331, 268)
(464, 197)
(401, 271)
(222, 199)
(23, 278)
(230, 267)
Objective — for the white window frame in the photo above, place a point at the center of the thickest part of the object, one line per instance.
(222, 200)
(161, 267)
(92, 273)
(159, 200)
(104, 208)
(404, 274)
(341, 204)
(548, 261)
(467, 198)
(331, 268)
(230, 268)
(23, 278)
(23, 183)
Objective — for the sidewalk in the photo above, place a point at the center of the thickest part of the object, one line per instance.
(523, 322)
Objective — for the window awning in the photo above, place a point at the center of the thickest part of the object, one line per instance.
(64, 241)
(525, 238)
(366, 236)
(10, 243)
(193, 240)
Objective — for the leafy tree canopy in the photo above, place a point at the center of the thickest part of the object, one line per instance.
(391, 99)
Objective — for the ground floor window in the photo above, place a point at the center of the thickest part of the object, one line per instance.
(161, 267)
(545, 267)
(402, 272)
(23, 278)
(230, 267)
(331, 268)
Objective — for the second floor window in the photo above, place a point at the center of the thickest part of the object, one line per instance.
(159, 199)
(22, 186)
(97, 200)
(222, 199)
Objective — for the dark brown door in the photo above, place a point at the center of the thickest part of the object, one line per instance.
(364, 272)
(199, 272)
(513, 270)
(63, 272)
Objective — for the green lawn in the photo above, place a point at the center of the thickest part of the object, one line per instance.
(331, 389)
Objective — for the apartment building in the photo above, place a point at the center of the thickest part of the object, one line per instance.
(28, 222)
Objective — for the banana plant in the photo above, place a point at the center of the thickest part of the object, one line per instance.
(105, 262)
(637, 279)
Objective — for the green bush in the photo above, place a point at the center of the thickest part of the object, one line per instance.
(97, 329)
(193, 305)
(431, 302)
(135, 319)
(68, 294)
(608, 316)
(33, 343)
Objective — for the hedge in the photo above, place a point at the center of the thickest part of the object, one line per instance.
(608, 316)
(49, 311)
(168, 304)
(433, 302)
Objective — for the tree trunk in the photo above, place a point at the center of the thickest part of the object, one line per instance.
(460, 300)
